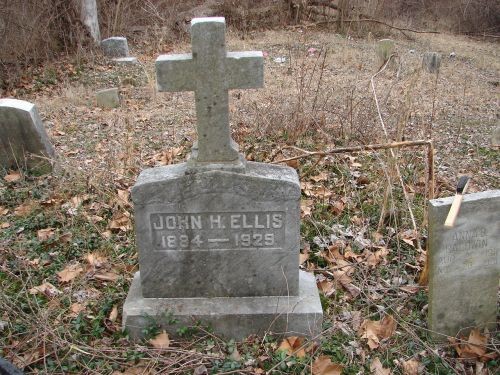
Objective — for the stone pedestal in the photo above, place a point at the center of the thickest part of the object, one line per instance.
(218, 239)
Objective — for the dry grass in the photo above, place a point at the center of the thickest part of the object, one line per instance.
(317, 99)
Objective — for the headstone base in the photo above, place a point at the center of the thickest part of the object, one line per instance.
(231, 317)
(126, 60)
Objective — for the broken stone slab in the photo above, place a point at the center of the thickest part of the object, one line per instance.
(108, 98)
(115, 47)
(7, 368)
(130, 60)
(464, 265)
(23, 139)
(233, 317)
(431, 62)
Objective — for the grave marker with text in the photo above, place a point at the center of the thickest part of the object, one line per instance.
(218, 237)
(464, 264)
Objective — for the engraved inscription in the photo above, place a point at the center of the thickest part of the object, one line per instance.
(465, 250)
(218, 230)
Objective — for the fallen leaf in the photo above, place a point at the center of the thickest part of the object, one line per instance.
(69, 273)
(375, 331)
(324, 366)
(45, 234)
(107, 276)
(377, 369)
(114, 313)
(4, 210)
(13, 176)
(291, 346)
(96, 260)
(327, 287)
(24, 209)
(121, 221)
(320, 177)
(76, 308)
(46, 288)
(4, 225)
(337, 207)
(123, 198)
(161, 341)
(475, 347)
(374, 258)
(293, 163)
(306, 206)
(66, 237)
(410, 367)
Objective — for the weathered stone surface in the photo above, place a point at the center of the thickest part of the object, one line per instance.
(23, 140)
(108, 98)
(115, 46)
(464, 264)
(210, 72)
(385, 48)
(234, 317)
(218, 233)
(7, 368)
(431, 62)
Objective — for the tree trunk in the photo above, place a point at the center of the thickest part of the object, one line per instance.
(88, 15)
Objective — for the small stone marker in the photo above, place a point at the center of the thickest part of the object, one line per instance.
(218, 237)
(108, 98)
(115, 46)
(464, 264)
(385, 48)
(23, 140)
(495, 138)
(431, 62)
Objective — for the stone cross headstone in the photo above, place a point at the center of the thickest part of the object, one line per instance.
(218, 237)
(431, 62)
(464, 265)
(23, 140)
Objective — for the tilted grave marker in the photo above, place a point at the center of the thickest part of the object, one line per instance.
(464, 264)
(218, 237)
(23, 140)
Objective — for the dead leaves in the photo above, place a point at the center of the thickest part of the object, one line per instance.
(46, 289)
(376, 331)
(121, 221)
(475, 347)
(161, 341)
(69, 273)
(324, 366)
(293, 345)
(13, 176)
(45, 234)
(376, 368)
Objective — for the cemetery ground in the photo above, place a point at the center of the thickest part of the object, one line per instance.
(67, 252)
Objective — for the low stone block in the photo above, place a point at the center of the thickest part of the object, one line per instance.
(385, 48)
(464, 265)
(218, 233)
(495, 138)
(234, 317)
(431, 62)
(115, 46)
(126, 60)
(108, 98)
(23, 139)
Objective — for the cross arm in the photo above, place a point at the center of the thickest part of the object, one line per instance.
(245, 70)
(175, 72)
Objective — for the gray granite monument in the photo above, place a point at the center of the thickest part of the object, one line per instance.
(116, 48)
(23, 140)
(108, 98)
(385, 48)
(464, 265)
(218, 237)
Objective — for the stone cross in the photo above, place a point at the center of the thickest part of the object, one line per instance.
(210, 72)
